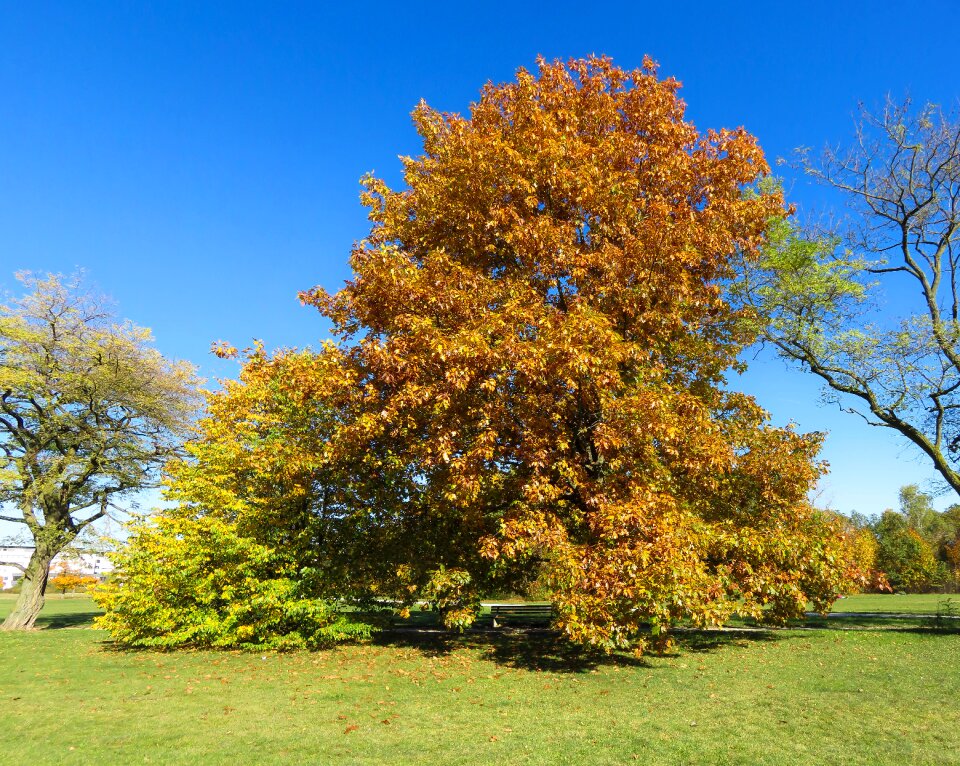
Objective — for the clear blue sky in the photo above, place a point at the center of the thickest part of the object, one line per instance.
(200, 160)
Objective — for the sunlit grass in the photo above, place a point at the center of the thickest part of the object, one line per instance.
(902, 603)
(787, 697)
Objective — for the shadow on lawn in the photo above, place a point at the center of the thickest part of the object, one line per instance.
(539, 649)
(69, 620)
(902, 624)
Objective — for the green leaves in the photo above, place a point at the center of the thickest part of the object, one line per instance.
(195, 582)
(89, 411)
(820, 300)
(800, 288)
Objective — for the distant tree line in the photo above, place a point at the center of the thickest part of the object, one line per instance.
(915, 548)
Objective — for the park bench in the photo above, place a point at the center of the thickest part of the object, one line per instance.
(520, 612)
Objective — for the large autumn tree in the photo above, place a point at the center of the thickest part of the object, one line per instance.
(536, 340)
(529, 386)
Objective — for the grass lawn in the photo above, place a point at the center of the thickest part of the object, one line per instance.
(787, 697)
(906, 603)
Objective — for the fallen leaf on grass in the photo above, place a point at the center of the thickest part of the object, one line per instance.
(352, 727)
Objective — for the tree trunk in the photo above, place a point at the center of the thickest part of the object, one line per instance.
(32, 588)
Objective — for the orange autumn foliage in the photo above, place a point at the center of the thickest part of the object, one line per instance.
(67, 580)
(534, 348)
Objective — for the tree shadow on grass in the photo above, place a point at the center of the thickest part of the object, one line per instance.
(539, 649)
(706, 641)
(70, 620)
(921, 624)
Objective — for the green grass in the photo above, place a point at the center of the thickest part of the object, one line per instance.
(58, 612)
(907, 603)
(787, 697)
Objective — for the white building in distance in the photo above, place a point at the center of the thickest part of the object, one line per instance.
(94, 564)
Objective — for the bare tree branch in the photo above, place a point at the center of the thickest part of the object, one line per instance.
(815, 300)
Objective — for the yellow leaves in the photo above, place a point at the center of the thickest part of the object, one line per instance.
(223, 350)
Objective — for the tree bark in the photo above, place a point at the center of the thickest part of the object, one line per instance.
(32, 589)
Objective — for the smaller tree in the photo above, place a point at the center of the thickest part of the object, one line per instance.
(864, 551)
(89, 412)
(67, 580)
(197, 582)
(951, 554)
(917, 508)
(904, 556)
(258, 546)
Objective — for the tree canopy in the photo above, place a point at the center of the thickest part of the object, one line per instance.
(260, 543)
(913, 549)
(89, 412)
(538, 332)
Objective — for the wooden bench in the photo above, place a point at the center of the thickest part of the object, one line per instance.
(521, 612)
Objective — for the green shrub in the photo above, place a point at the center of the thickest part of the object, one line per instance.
(195, 582)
